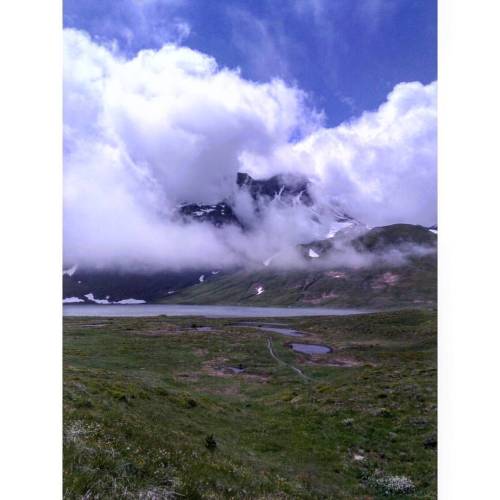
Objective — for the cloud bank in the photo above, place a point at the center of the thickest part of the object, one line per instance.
(169, 126)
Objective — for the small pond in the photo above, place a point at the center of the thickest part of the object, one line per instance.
(311, 348)
(271, 327)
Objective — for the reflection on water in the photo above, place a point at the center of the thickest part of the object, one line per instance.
(207, 311)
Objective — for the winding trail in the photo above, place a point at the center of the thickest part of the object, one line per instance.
(281, 362)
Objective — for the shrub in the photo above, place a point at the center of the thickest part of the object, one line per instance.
(210, 442)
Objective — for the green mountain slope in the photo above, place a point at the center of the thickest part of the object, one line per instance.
(413, 284)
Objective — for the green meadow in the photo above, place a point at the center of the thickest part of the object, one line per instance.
(195, 408)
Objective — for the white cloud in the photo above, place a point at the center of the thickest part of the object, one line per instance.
(381, 166)
(168, 126)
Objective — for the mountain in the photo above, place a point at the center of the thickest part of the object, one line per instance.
(108, 286)
(218, 214)
(279, 190)
(389, 266)
(352, 266)
(379, 239)
(409, 285)
(286, 188)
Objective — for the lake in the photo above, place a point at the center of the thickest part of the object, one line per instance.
(206, 311)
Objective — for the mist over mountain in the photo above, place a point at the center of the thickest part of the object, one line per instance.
(173, 163)
(385, 266)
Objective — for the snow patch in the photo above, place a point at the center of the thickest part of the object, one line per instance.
(336, 274)
(203, 211)
(91, 297)
(313, 254)
(72, 300)
(433, 231)
(336, 227)
(201, 279)
(130, 301)
(260, 289)
(70, 271)
(268, 261)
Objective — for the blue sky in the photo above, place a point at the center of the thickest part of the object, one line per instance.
(346, 54)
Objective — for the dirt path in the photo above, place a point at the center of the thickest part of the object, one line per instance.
(281, 362)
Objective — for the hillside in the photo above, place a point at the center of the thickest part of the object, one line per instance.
(411, 285)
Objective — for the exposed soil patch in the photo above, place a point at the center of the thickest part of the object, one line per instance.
(386, 280)
(218, 367)
(213, 367)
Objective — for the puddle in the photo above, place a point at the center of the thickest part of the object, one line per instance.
(311, 348)
(235, 369)
(271, 327)
(204, 329)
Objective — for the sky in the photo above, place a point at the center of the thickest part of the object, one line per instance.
(166, 100)
(346, 54)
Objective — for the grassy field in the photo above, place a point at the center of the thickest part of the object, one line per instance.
(153, 409)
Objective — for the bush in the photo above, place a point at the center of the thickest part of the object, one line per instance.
(210, 442)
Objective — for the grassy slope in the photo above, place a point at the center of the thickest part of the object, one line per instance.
(142, 394)
(416, 286)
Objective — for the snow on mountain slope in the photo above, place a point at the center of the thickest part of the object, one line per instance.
(72, 300)
(70, 271)
(280, 191)
(410, 280)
